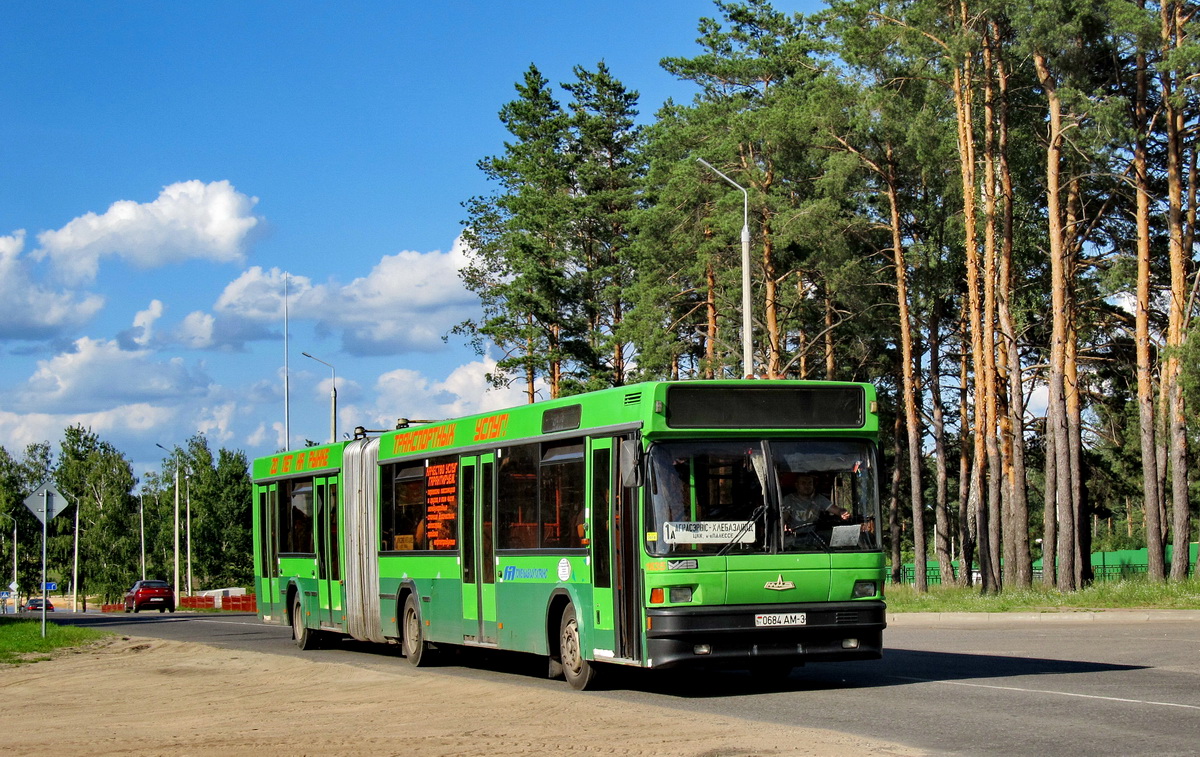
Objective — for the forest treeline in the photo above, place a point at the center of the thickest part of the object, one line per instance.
(114, 523)
(988, 209)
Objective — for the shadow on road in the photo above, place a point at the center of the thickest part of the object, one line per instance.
(899, 667)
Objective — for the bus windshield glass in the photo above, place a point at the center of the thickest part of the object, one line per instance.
(725, 497)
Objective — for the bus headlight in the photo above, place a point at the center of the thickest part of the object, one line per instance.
(864, 589)
(680, 593)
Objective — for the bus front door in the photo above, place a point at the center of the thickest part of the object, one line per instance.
(478, 491)
(329, 562)
(613, 546)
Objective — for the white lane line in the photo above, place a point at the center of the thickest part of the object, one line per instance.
(232, 623)
(1044, 691)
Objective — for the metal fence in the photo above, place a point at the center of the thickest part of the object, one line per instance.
(1106, 566)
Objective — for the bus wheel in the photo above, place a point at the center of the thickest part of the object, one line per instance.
(305, 637)
(578, 671)
(416, 649)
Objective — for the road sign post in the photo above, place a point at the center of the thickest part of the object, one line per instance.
(45, 503)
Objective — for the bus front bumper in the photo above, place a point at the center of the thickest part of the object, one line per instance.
(735, 634)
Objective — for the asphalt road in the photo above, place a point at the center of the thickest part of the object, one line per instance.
(1111, 684)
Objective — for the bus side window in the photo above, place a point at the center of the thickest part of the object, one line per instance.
(516, 498)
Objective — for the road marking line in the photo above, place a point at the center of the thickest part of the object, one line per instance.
(1045, 691)
(232, 623)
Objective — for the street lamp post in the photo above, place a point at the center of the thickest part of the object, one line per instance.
(16, 600)
(332, 396)
(188, 477)
(747, 342)
(142, 529)
(175, 585)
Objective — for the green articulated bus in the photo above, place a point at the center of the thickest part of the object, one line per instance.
(656, 525)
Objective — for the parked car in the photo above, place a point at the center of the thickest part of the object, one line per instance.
(35, 604)
(152, 595)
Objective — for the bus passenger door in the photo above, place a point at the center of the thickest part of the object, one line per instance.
(477, 489)
(612, 543)
(329, 568)
(626, 551)
(267, 569)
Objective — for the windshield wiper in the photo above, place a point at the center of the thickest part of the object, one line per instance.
(754, 516)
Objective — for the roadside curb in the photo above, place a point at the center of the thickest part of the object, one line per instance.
(1051, 616)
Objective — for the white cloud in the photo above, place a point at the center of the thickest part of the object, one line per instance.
(196, 331)
(410, 394)
(406, 303)
(217, 422)
(21, 429)
(188, 220)
(31, 311)
(98, 373)
(143, 322)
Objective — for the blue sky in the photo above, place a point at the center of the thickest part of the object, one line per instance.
(163, 164)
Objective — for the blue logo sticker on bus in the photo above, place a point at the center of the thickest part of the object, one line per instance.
(513, 573)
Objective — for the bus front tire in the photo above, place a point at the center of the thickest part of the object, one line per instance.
(416, 649)
(302, 635)
(578, 671)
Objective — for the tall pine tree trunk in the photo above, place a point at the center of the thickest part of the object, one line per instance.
(1173, 37)
(942, 535)
(911, 416)
(1016, 521)
(966, 534)
(1056, 411)
(894, 504)
(964, 118)
(1145, 379)
(991, 417)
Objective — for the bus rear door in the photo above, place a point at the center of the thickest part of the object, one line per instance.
(329, 567)
(267, 570)
(478, 490)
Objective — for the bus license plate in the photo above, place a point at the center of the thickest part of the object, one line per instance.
(781, 619)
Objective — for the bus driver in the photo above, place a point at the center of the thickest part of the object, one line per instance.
(805, 505)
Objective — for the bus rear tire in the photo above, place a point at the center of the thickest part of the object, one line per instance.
(578, 671)
(416, 649)
(303, 636)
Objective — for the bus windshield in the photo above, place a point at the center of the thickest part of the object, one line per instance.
(762, 496)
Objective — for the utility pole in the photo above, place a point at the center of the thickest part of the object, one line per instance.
(747, 298)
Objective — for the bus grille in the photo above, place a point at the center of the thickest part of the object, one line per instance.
(845, 617)
(633, 399)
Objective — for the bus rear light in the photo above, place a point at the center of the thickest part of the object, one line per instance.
(656, 596)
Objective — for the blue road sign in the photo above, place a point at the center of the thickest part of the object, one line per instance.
(50, 586)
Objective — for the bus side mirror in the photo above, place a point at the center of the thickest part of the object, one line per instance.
(631, 463)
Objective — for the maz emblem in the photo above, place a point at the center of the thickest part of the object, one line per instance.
(779, 584)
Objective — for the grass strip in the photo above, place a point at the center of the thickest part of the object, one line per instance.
(21, 639)
(1133, 593)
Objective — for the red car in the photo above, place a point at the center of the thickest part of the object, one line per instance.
(150, 595)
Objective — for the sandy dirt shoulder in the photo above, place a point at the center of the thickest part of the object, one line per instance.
(148, 696)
